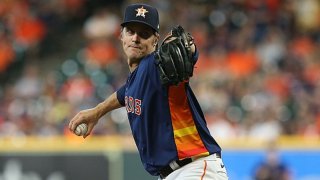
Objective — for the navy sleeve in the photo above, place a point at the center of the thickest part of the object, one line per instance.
(153, 73)
(121, 95)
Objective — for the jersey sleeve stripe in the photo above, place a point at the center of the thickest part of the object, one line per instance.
(185, 131)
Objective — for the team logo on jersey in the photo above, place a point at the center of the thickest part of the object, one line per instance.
(141, 12)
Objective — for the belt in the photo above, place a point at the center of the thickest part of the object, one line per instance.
(174, 165)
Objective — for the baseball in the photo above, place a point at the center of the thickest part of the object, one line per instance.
(81, 129)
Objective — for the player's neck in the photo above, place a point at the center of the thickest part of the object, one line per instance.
(133, 66)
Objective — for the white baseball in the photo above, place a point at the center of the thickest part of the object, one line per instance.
(81, 129)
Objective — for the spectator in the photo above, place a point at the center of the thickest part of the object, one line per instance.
(272, 168)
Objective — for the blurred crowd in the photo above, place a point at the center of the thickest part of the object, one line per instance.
(258, 74)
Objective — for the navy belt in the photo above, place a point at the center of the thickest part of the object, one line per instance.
(174, 165)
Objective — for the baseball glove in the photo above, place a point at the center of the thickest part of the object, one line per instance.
(174, 57)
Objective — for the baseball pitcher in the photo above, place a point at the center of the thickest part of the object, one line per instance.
(166, 120)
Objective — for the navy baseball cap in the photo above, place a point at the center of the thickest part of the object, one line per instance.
(142, 13)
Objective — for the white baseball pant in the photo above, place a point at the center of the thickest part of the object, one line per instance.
(205, 168)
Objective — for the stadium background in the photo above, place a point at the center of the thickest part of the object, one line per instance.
(257, 80)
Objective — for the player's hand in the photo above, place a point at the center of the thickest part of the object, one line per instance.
(88, 116)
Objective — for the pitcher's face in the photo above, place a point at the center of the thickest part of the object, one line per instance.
(138, 40)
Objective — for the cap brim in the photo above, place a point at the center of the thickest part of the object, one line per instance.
(137, 21)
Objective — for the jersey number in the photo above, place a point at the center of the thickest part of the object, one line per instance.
(133, 105)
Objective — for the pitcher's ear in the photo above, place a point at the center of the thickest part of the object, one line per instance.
(156, 40)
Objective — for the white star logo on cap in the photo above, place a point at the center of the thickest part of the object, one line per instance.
(141, 12)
